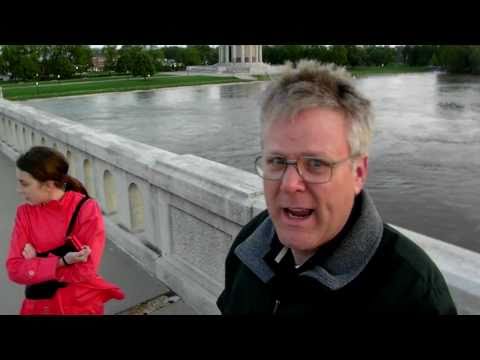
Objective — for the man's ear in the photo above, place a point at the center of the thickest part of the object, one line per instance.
(360, 172)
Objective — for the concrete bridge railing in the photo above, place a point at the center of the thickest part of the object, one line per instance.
(177, 215)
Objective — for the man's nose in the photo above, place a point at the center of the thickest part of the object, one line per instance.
(291, 180)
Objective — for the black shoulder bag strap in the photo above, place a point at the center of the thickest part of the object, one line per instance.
(75, 213)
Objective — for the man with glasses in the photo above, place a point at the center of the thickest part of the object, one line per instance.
(321, 246)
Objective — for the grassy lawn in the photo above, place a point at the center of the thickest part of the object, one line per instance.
(19, 84)
(76, 87)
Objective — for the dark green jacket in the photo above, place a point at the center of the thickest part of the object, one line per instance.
(368, 267)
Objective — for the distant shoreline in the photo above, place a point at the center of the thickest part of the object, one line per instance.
(48, 89)
(75, 87)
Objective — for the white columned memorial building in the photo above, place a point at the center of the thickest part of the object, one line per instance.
(240, 54)
(239, 59)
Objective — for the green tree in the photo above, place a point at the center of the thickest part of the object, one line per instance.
(355, 55)
(44, 55)
(279, 54)
(123, 64)
(173, 53)
(207, 54)
(60, 63)
(420, 55)
(273, 55)
(21, 61)
(11, 58)
(126, 57)
(111, 57)
(379, 55)
(3, 65)
(142, 64)
(158, 57)
(474, 59)
(213, 56)
(190, 56)
(455, 59)
(319, 53)
(80, 56)
(29, 67)
(399, 54)
(339, 54)
(293, 53)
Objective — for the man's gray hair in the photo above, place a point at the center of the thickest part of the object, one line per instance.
(313, 85)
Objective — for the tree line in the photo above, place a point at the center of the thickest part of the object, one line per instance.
(454, 59)
(30, 62)
(43, 62)
(142, 60)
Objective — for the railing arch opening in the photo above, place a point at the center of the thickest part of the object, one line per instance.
(25, 140)
(88, 173)
(137, 217)
(71, 163)
(9, 132)
(16, 138)
(110, 192)
(2, 135)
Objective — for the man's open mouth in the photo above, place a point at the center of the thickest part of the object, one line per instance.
(297, 213)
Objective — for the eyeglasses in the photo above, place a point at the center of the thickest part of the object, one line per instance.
(310, 169)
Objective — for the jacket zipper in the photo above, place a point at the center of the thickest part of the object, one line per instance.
(275, 307)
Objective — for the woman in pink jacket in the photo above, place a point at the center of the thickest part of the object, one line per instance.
(59, 279)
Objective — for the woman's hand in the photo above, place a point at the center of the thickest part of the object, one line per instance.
(29, 251)
(78, 256)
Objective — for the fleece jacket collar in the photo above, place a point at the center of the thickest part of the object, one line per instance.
(341, 267)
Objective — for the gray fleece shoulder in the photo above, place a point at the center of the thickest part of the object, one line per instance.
(252, 251)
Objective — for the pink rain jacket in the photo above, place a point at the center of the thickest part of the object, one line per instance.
(44, 226)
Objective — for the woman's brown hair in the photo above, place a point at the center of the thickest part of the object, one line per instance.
(45, 163)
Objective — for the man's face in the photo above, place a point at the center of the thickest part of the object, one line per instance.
(31, 189)
(308, 215)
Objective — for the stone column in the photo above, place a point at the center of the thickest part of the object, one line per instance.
(242, 51)
(220, 58)
(234, 53)
(260, 55)
(227, 53)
